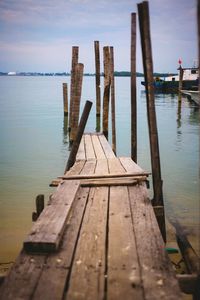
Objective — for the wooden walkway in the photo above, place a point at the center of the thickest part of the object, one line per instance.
(97, 238)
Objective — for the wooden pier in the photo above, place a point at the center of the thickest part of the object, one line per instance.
(97, 238)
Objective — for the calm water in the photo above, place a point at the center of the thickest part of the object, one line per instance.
(34, 149)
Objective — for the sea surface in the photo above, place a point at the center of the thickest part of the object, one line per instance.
(34, 150)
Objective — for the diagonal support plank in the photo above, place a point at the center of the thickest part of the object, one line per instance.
(46, 233)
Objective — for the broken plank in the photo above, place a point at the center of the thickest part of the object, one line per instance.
(123, 272)
(88, 270)
(46, 233)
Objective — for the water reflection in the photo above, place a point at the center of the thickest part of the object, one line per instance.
(65, 130)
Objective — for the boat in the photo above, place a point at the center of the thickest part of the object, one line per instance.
(171, 83)
(192, 95)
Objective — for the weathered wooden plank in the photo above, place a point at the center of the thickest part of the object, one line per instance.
(87, 276)
(22, 278)
(106, 147)
(129, 165)
(158, 277)
(122, 181)
(46, 233)
(115, 166)
(76, 168)
(56, 270)
(89, 149)
(110, 175)
(88, 168)
(124, 280)
(98, 147)
(81, 150)
(101, 167)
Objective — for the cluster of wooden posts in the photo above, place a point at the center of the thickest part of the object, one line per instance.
(76, 89)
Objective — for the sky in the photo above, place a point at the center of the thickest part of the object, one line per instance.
(38, 35)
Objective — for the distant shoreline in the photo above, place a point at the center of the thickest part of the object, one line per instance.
(116, 74)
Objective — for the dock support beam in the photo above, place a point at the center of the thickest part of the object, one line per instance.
(81, 128)
(98, 88)
(143, 10)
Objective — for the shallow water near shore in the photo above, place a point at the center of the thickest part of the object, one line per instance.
(34, 150)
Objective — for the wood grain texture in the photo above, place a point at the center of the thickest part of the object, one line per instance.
(124, 279)
(87, 277)
(81, 150)
(155, 266)
(99, 152)
(89, 149)
(106, 147)
(46, 233)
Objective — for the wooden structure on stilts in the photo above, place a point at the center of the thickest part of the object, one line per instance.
(99, 236)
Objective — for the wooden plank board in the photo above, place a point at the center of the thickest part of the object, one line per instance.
(98, 147)
(122, 181)
(158, 277)
(110, 175)
(101, 167)
(57, 266)
(22, 278)
(46, 233)
(88, 168)
(115, 166)
(76, 169)
(129, 165)
(106, 147)
(89, 149)
(87, 275)
(81, 150)
(124, 280)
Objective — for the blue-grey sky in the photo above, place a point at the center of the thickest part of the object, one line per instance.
(37, 35)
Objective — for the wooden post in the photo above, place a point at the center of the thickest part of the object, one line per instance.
(76, 143)
(39, 201)
(106, 95)
(144, 22)
(65, 99)
(113, 99)
(75, 51)
(133, 90)
(98, 87)
(181, 71)
(78, 79)
(198, 30)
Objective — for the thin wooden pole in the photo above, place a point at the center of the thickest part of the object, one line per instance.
(113, 98)
(106, 95)
(75, 51)
(98, 87)
(181, 71)
(143, 10)
(78, 79)
(81, 128)
(198, 29)
(133, 90)
(65, 99)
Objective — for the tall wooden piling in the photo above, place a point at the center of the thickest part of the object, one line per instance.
(78, 78)
(106, 95)
(98, 87)
(181, 72)
(143, 10)
(198, 30)
(75, 51)
(65, 99)
(112, 77)
(81, 128)
(133, 90)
